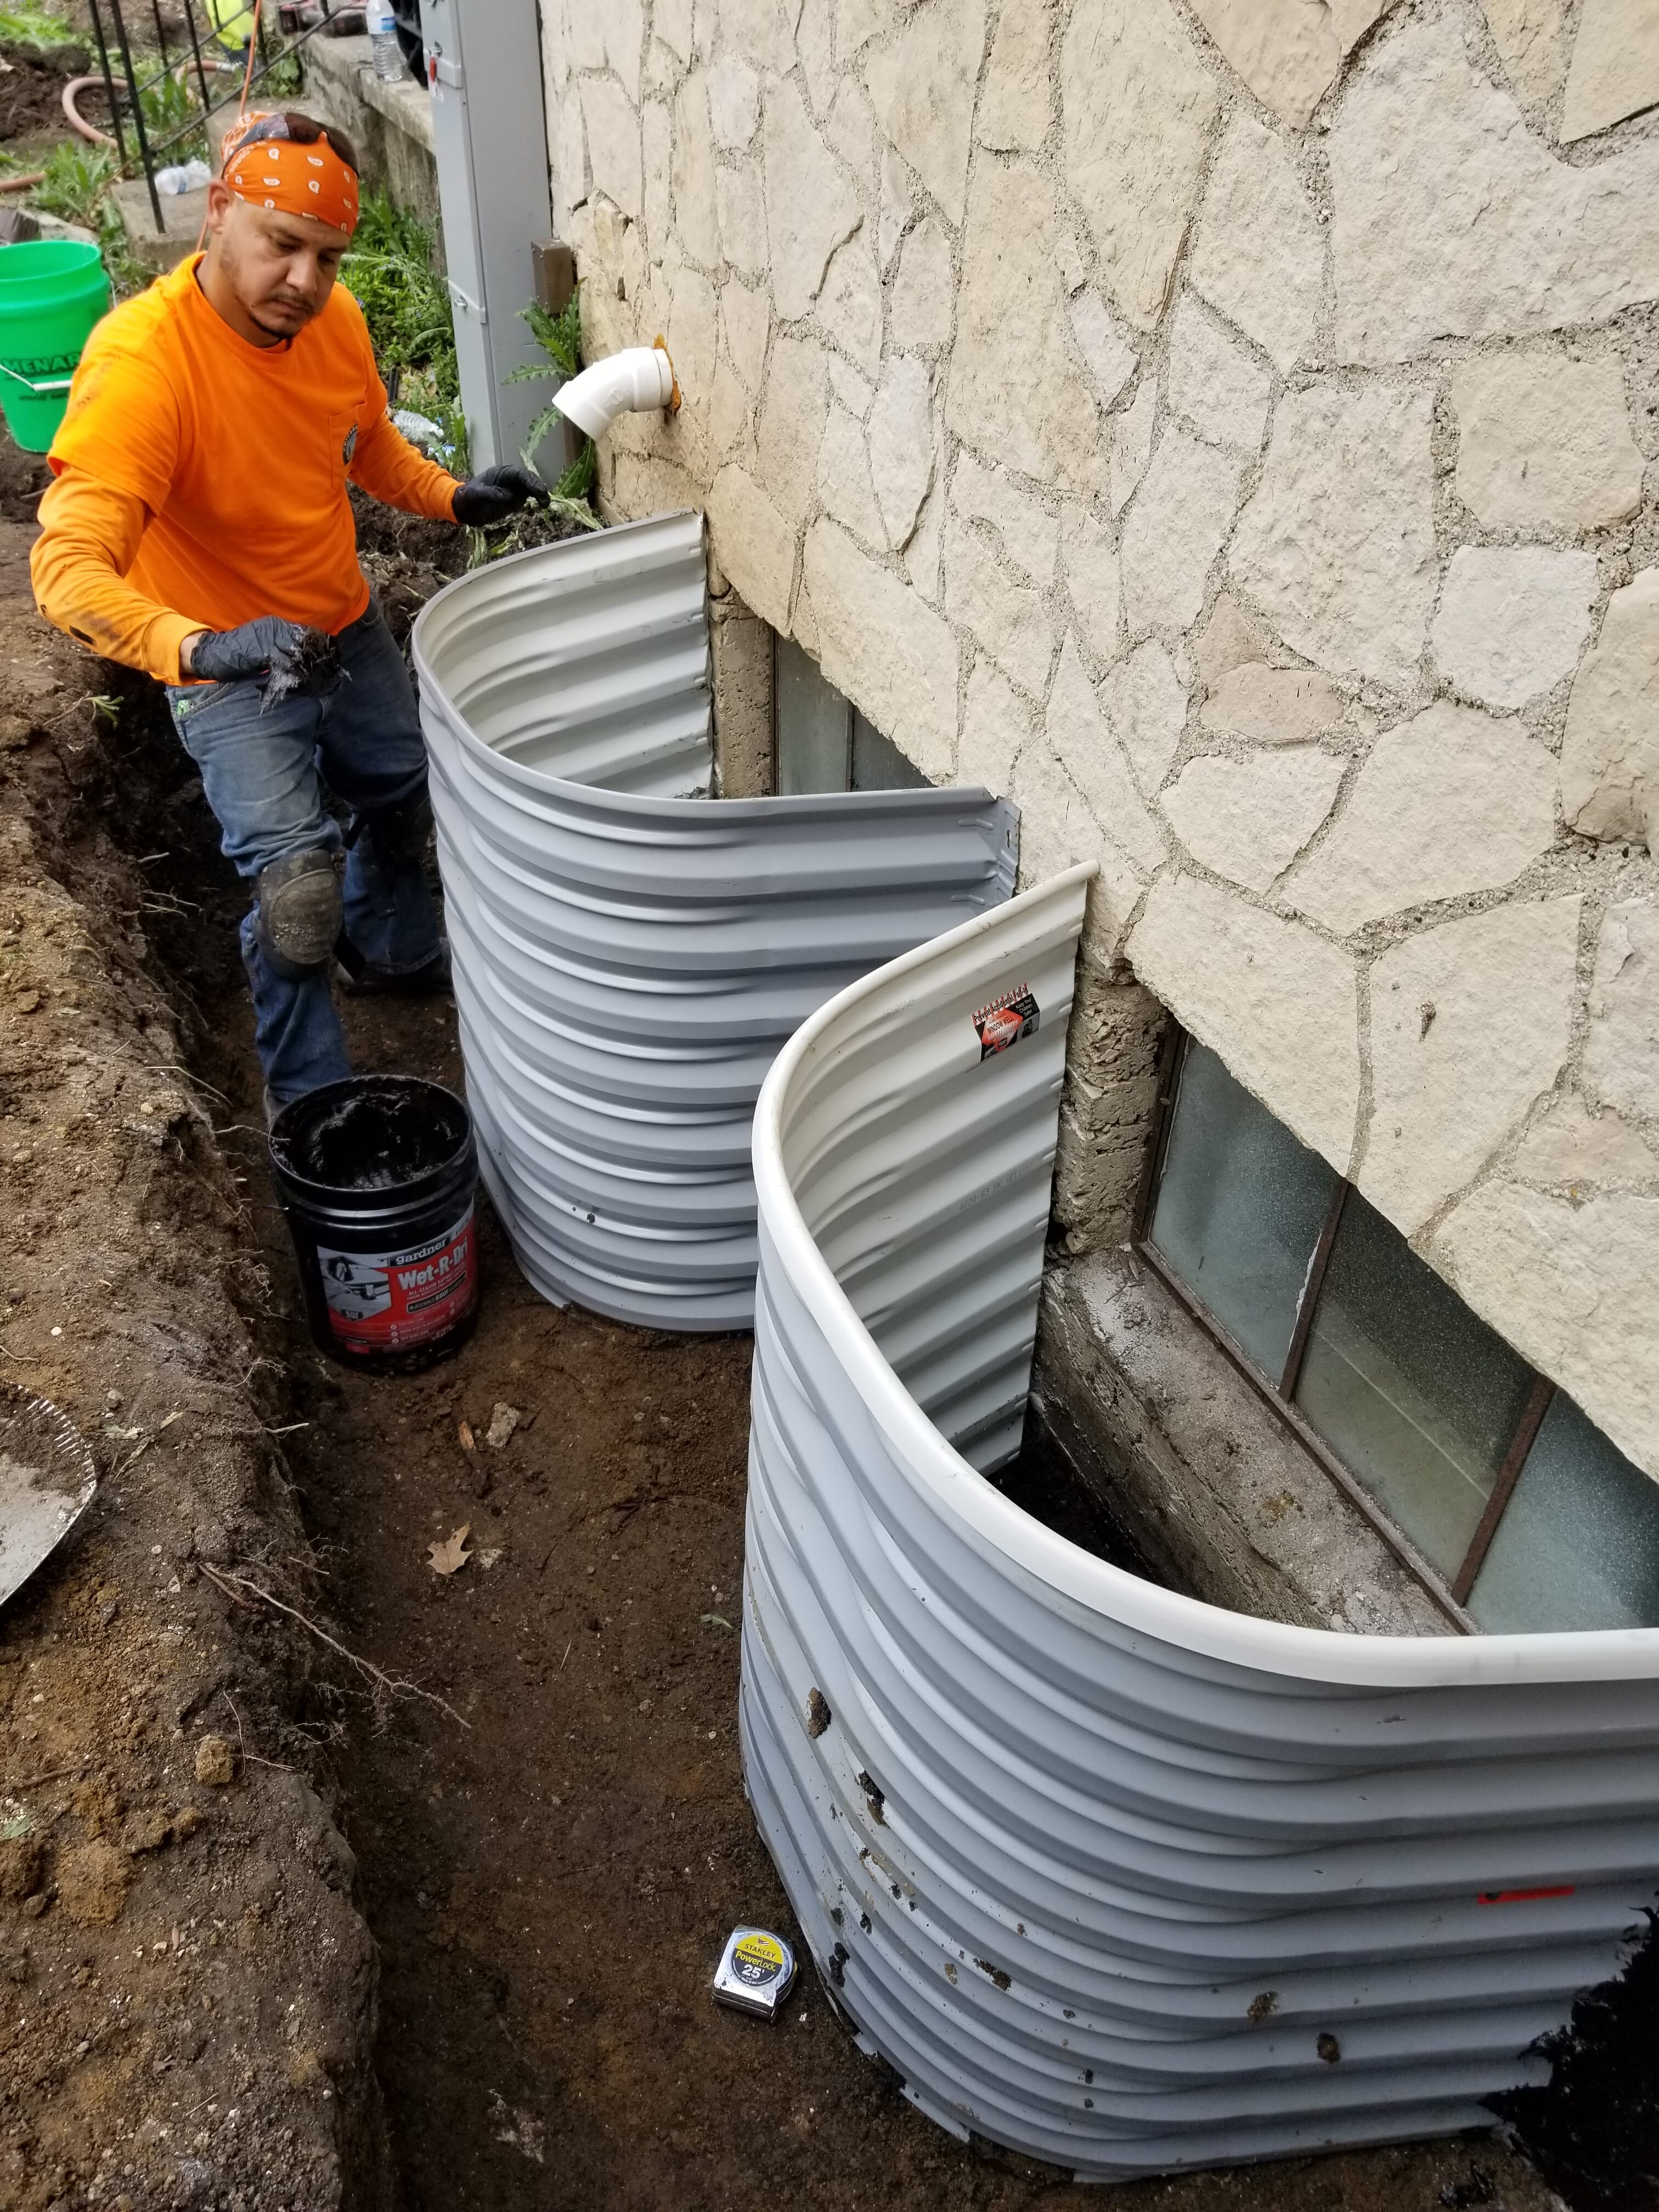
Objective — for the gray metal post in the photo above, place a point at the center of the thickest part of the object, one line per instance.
(484, 71)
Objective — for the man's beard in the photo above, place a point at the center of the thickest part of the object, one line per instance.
(278, 300)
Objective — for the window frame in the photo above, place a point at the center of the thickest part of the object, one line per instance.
(1450, 1595)
(915, 780)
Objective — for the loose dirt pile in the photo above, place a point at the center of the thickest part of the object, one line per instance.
(188, 1988)
(32, 93)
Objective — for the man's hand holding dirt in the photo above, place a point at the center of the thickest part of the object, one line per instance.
(287, 655)
(497, 493)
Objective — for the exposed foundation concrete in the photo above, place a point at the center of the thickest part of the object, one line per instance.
(1107, 1107)
(740, 651)
(1205, 1484)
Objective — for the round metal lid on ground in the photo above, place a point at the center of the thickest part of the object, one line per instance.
(47, 1482)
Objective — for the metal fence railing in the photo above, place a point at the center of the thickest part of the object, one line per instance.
(137, 87)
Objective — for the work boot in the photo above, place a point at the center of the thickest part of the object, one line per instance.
(361, 979)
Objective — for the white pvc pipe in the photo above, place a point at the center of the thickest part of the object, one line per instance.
(637, 379)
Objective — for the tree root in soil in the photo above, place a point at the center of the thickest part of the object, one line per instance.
(391, 1686)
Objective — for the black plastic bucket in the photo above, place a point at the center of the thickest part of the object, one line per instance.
(376, 1177)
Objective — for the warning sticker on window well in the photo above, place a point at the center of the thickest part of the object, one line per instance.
(1006, 1021)
(387, 1301)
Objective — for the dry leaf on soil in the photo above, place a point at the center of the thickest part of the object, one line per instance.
(448, 1556)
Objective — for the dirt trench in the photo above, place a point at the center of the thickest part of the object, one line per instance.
(186, 1987)
(546, 1869)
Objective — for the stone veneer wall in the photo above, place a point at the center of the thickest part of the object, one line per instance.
(1228, 426)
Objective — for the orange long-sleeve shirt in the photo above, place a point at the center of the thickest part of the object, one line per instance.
(201, 481)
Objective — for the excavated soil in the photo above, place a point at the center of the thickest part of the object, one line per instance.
(31, 95)
(187, 1988)
(548, 1859)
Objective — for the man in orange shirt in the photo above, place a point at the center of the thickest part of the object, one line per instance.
(198, 527)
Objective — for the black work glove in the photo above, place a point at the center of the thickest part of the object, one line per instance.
(497, 493)
(289, 656)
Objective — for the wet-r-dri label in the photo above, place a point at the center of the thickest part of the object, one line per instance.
(388, 1301)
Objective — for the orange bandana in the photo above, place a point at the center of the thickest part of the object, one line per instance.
(297, 177)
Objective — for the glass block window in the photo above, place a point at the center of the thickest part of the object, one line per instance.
(1509, 1501)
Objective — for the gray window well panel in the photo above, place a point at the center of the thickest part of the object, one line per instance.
(629, 955)
(1124, 1880)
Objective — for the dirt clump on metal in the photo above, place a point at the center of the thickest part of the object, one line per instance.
(1595, 2128)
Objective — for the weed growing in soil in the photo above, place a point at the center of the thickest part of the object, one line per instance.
(77, 179)
(76, 186)
(172, 117)
(560, 336)
(37, 29)
(406, 303)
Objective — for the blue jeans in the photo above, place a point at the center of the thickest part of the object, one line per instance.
(264, 773)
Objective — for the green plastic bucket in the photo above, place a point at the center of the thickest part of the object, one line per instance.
(52, 290)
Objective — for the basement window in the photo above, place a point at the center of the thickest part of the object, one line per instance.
(821, 741)
(1507, 1502)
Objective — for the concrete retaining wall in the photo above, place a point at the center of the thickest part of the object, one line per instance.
(389, 125)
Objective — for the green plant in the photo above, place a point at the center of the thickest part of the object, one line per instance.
(40, 29)
(126, 273)
(76, 187)
(453, 438)
(405, 303)
(284, 79)
(77, 179)
(172, 117)
(560, 337)
(168, 102)
(579, 479)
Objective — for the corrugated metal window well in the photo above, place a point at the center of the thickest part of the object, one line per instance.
(628, 955)
(1513, 1509)
(1126, 1880)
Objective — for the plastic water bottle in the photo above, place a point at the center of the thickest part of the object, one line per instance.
(383, 38)
(192, 177)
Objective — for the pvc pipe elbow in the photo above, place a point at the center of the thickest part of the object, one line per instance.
(636, 380)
